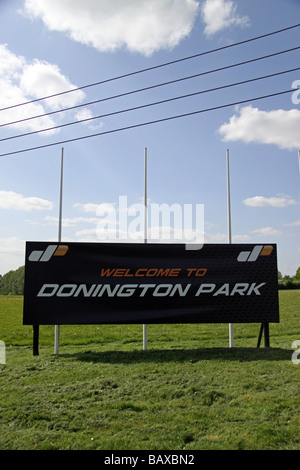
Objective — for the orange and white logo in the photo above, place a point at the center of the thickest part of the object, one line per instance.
(51, 250)
(258, 250)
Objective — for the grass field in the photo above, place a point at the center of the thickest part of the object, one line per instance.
(188, 391)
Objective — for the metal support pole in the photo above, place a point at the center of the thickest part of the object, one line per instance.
(60, 195)
(35, 340)
(267, 335)
(56, 328)
(145, 337)
(264, 328)
(145, 332)
(260, 334)
(229, 236)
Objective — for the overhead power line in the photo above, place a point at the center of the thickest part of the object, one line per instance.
(135, 108)
(156, 121)
(200, 54)
(121, 95)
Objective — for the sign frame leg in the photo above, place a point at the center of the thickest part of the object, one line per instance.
(36, 331)
(264, 328)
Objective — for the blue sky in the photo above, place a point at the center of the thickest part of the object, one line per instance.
(55, 45)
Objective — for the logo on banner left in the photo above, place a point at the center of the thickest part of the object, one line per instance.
(51, 250)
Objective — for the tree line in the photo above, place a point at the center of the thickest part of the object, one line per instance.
(12, 283)
(289, 282)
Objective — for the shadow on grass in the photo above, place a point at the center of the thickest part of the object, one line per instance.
(183, 355)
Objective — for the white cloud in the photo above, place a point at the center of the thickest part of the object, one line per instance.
(139, 25)
(266, 231)
(12, 245)
(40, 78)
(162, 234)
(88, 235)
(216, 238)
(11, 93)
(223, 238)
(278, 127)
(22, 81)
(102, 208)
(10, 63)
(11, 200)
(241, 238)
(296, 223)
(72, 221)
(12, 254)
(221, 14)
(86, 115)
(261, 201)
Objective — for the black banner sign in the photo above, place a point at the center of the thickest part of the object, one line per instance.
(98, 283)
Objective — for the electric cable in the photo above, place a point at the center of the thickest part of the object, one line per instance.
(155, 66)
(219, 69)
(134, 126)
(135, 108)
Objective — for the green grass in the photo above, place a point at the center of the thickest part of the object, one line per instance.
(188, 391)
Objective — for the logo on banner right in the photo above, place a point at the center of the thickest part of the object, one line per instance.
(258, 250)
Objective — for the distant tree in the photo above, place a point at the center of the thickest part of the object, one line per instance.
(297, 275)
(289, 282)
(13, 282)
